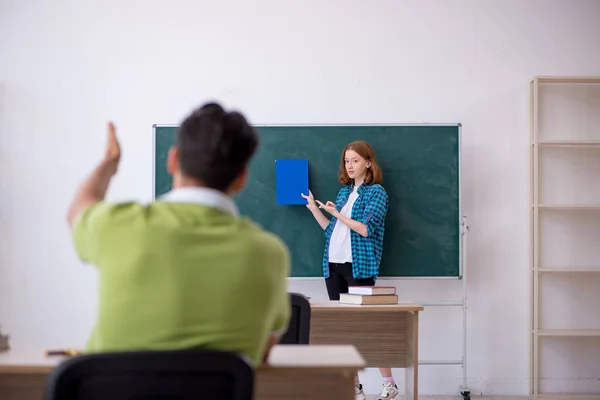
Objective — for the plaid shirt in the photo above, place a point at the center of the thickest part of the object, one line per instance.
(369, 208)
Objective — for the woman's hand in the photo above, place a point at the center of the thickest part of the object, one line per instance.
(314, 209)
(329, 207)
(311, 201)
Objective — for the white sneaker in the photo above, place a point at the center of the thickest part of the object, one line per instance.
(358, 393)
(389, 391)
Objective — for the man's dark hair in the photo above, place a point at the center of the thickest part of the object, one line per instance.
(215, 146)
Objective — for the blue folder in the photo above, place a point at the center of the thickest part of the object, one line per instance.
(291, 180)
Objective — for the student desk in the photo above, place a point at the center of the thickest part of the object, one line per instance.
(294, 372)
(385, 335)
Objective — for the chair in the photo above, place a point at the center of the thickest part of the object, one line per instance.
(298, 331)
(153, 375)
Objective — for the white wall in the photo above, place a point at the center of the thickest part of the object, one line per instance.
(66, 67)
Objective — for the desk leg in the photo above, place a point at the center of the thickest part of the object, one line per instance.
(411, 370)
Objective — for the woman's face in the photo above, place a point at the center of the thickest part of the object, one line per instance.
(356, 166)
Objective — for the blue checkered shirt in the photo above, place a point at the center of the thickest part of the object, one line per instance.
(369, 208)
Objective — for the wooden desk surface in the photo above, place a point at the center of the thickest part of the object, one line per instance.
(402, 306)
(22, 360)
(27, 360)
(293, 372)
(315, 357)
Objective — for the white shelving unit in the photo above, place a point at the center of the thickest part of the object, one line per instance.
(565, 224)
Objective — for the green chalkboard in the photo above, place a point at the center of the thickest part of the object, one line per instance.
(421, 167)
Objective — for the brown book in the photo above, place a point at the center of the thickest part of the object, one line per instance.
(347, 298)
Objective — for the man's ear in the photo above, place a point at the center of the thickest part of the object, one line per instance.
(173, 161)
(239, 183)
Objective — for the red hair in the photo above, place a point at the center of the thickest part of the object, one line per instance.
(363, 149)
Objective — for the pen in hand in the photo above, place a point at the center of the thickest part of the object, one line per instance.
(64, 352)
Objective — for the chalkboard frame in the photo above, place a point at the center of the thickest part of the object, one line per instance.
(461, 217)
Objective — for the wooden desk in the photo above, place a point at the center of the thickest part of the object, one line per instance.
(295, 372)
(385, 335)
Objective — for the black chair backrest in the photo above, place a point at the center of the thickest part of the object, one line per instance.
(298, 331)
(153, 375)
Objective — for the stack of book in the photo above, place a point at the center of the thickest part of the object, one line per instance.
(370, 295)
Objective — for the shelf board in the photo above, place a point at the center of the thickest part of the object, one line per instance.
(569, 79)
(569, 332)
(569, 270)
(569, 143)
(581, 396)
(569, 206)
